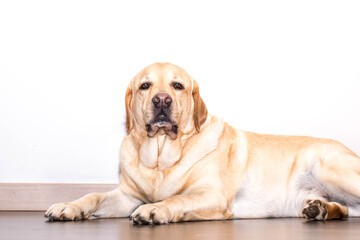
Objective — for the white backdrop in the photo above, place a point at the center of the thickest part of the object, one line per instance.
(280, 67)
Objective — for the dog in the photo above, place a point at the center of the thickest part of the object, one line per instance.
(180, 163)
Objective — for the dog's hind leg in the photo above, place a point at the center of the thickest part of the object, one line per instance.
(338, 171)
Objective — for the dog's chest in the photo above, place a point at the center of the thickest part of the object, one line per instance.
(154, 176)
(160, 169)
(158, 186)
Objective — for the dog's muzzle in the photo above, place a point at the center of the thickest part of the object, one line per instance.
(162, 122)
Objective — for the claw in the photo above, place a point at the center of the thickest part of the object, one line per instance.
(144, 220)
(64, 218)
(50, 218)
(82, 215)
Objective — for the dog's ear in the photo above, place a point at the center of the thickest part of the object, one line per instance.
(200, 110)
(129, 120)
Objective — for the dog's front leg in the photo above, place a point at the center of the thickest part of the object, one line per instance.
(199, 206)
(102, 205)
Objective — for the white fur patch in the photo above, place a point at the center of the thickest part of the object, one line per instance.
(149, 153)
(169, 154)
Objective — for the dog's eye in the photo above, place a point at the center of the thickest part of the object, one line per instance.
(145, 86)
(178, 86)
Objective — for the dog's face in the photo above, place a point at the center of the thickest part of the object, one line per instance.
(164, 99)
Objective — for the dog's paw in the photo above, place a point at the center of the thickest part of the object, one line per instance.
(64, 212)
(151, 214)
(315, 210)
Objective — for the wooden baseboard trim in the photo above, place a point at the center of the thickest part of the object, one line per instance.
(39, 196)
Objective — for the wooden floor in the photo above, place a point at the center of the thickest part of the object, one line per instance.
(31, 225)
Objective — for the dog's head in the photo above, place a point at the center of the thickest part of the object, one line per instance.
(164, 99)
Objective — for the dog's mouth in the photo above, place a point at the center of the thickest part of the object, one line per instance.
(162, 124)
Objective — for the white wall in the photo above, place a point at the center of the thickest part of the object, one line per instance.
(280, 67)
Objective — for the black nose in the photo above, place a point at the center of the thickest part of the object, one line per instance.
(162, 100)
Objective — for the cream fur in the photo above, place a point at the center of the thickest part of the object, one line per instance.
(216, 171)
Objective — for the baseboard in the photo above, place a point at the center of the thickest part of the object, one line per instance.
(39, 196)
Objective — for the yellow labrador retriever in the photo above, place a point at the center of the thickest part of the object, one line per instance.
(179, 163)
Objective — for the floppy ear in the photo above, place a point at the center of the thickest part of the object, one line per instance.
(200, 110)
(129, 124)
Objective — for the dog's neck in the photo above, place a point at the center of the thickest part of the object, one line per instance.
(161, 152)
